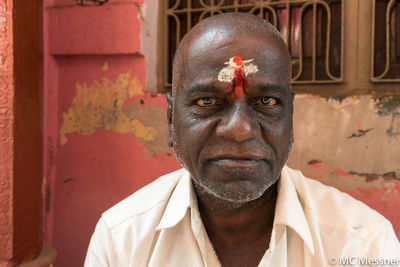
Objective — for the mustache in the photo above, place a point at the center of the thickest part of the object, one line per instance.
(249, 149)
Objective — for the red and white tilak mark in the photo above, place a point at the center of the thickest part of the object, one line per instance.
(235, 72)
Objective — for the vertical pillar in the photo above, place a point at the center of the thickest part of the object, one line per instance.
(20, 131)
(27, 129)
(6, 133)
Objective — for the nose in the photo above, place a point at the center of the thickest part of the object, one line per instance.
(237, 124)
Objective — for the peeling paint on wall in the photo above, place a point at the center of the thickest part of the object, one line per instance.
(321, 132)
(386, 105)
(389, 106)
(346, 181)
(352, 145)
(100, 105)
(105, 66)
(394, 128)
(155, 117)
(139, 7)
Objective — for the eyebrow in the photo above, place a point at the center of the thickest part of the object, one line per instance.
(271, 88)
(210, 88)
(199, 88)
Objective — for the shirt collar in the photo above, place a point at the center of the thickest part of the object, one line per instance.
(178, 203)
(288, 211)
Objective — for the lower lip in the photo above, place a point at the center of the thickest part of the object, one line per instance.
(237, 163)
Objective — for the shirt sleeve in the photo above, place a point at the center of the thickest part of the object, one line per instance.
(385, 245)
(101, 252)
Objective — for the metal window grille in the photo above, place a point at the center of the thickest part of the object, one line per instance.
(312, 29)
(385, 57)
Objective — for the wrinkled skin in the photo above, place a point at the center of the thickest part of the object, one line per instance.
(233, 147)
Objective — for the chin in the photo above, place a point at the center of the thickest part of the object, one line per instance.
(236, 186)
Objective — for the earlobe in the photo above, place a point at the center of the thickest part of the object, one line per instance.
(169, 118)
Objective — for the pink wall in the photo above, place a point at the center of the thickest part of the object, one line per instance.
(104, 137)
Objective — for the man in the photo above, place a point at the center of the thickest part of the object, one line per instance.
(235, 203)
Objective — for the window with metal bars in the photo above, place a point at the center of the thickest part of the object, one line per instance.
(312, 29)
(385, 57)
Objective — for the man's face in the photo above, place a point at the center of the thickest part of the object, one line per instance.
(233, 145)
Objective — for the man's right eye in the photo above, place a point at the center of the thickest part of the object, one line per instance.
(206, 102)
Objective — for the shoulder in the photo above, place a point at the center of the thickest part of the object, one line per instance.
(124, 234)
(333, 209)
(149, 200)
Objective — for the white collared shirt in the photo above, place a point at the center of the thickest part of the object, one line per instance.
(314, 225)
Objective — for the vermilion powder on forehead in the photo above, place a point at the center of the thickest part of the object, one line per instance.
(238, 60)
(238, 91)
(234, 74)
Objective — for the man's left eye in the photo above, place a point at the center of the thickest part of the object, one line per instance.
(267, 101)
(206, 102)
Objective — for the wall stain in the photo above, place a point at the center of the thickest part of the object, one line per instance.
(390, 175)
(374, 176)
(48, 198)
(50, 165)
(105, 66)
(359, 133)
(155, 117)
(340, 102)
(50, 153)
(394, 128)
(368, 176)
(314, 161)
(390, 106)
(386, 105)
(100, 105)
(348, 181)
(68, 180)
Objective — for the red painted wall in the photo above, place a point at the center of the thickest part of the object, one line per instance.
(101, 139)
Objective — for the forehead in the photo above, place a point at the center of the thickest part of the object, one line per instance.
(207, 55)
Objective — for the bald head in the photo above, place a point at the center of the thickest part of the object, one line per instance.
(217, 33)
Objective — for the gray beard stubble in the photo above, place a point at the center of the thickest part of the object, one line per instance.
(210, 188)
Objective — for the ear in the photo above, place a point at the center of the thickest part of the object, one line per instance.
(293, 94)
(170, 101)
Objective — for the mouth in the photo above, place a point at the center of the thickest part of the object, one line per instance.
(237, 161)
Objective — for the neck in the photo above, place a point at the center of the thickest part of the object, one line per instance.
(232, 223)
